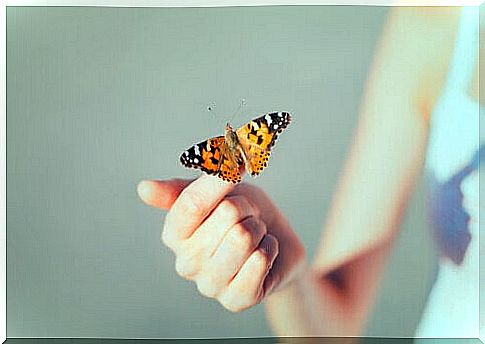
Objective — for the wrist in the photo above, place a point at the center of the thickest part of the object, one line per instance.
(295, 280)
(287, 306)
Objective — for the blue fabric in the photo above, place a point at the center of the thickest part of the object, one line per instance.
(455, 147)
(449, 220)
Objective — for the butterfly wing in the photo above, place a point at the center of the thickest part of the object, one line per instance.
(210, 156)
(229, 171)
(259, 136)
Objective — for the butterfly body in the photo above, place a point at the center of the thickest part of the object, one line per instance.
(249, 145)
(234, 150)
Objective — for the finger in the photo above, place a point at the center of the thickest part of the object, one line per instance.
(161, 193)
(230, 211)
(196, 250)
(192, 206)
(246, 289)
(238, 244)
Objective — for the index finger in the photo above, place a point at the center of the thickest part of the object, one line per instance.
(193, 205)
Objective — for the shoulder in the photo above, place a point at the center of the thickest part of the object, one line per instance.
(426, 35)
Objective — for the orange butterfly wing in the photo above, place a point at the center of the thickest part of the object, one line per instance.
(259, 136)
(210, 156)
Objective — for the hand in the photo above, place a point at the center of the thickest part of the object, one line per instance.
(230, 240)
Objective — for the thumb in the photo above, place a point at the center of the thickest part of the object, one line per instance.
(161, 193)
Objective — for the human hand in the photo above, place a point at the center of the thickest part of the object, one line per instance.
(229, 239)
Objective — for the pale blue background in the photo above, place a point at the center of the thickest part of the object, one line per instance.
(99, 98)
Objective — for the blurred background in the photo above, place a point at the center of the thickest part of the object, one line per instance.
(100, 98)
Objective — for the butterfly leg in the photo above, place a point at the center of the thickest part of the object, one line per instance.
(246, 160)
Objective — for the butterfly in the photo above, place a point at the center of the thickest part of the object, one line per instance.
(249, 145)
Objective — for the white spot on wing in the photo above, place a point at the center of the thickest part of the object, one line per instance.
(280, 114)
(255, 125)
(196, 148)
(268, 119)
(196, 160)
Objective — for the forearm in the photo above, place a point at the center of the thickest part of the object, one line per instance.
(333, 304)
(310, 306)
(336, 295)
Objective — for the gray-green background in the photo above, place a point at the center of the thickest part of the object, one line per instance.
(99, 98)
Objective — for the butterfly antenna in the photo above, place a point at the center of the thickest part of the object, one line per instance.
(242, 103)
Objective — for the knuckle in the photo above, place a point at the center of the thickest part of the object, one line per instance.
(233, 303)
(186, 266)
(193, 203)
(230, 305)
(233, 308)
(207, 287)
(248, 232)
(235, 208)
(230, 209)
(242, 234)
(181, 269)
(165, 238)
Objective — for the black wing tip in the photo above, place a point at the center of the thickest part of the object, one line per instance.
(288, 117)
(186, 162)
(183, 160)
(285, 119)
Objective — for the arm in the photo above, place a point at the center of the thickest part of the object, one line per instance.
(337, 292)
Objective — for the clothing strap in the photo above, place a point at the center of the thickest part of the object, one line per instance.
(464, 57)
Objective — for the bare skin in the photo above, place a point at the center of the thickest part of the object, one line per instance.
(230, 240)
(240, 249)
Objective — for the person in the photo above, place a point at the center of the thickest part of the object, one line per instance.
(238, 248)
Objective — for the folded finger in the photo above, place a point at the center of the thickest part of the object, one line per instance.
(192, 206)
(230, 211)
(247, 287)
(237, 245)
